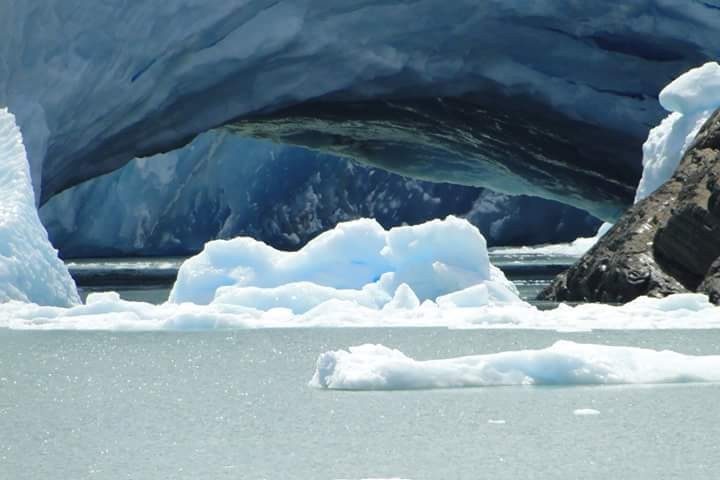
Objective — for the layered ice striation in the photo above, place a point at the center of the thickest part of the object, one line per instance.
(691, 98)
(30, 270)
(552, 99)
(224, 186)
(376, 367)
(357, 261)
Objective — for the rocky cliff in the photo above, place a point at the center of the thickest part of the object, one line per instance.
(667, 243)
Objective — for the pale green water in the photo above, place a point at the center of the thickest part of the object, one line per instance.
(236, 405)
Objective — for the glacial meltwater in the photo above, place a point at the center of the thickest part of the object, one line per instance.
(237, 405)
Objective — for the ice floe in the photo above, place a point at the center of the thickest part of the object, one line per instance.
(377, 367)
(356, 261)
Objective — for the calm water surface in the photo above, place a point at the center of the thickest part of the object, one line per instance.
(236, 405)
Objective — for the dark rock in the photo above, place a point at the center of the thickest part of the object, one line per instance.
(711, 284)
(687, 244)
(667, 243)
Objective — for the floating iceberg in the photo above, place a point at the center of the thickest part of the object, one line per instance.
(376, 367)
(30, 270)
(357, 261)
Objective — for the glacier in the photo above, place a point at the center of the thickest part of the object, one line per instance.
(376, 367)
(429, 89)
(30, 270)
(224, 186)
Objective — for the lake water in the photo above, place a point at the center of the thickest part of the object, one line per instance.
(150, 279)
(237, 405)
(229, 405)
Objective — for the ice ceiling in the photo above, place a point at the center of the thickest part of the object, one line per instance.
(548, 98)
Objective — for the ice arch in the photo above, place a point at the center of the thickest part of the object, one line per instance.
(551, 98)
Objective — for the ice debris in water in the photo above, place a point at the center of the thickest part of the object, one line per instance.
(376, 367)
(585, 412)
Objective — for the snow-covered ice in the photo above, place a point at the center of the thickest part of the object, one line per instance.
(376, 367)
(691, 99)
(30, 270)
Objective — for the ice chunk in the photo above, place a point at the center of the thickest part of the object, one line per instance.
(432, 259)
(337, 308)
(698, 89)
(376, 367)
(404, 299)
(30, 270)
(585, 412)
(576, 248)
(300, 296)
(691, 98)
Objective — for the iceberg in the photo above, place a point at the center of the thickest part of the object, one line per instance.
(30, 270)
(377, 367)
(433, 259)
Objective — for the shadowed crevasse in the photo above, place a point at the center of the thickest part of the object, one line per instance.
(513, 146)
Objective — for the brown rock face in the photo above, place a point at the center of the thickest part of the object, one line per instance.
(667, 243)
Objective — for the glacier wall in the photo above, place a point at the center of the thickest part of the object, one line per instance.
(224, 186)
(30, 270)
(549, 98)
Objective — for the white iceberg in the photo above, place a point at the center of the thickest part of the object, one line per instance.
(30, 270)
(376, 367)
(357, 261)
